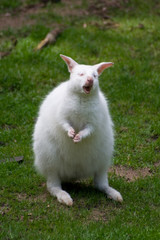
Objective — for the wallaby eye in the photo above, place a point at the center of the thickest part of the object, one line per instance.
(94, 75)
(81, 74)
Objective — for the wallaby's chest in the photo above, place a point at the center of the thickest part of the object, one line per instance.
(81, 112)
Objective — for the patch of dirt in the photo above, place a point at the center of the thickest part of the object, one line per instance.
(98, 215)
(24, 196)
(103, 212)
(102, 7)
(130, 174)
(42, 197)
(157, 164)
(8, 21)
(69, 8)
(20, 17)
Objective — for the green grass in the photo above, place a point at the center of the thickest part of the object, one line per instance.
(132, 87)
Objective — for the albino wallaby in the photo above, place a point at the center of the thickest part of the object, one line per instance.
(73, 136)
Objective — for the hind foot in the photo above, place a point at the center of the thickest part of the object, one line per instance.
(64, 198)
(55, 189)
(114, 194)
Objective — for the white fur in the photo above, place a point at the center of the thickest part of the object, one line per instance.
(73, 136)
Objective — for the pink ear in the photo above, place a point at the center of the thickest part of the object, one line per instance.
(102, 66)
(69, 61)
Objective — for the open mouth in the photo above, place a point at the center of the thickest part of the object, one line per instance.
(87, 88)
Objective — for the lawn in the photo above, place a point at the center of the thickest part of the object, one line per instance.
(126, 33)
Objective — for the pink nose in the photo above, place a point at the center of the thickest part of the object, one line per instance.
(90, 80)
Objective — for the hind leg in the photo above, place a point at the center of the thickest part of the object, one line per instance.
(55, 189)
(101, 183)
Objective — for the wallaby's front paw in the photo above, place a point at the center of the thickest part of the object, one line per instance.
(77, 138)
(71, 133)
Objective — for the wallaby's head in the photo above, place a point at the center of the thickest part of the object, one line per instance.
(84, 78)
